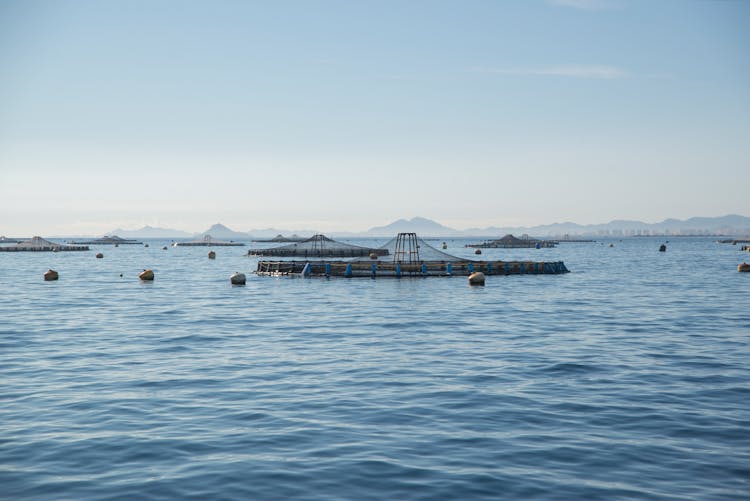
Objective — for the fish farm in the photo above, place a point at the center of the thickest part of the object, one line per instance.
(38, 244)
(511, 242)
(408, 256)
(109, 240)
(318, 246)
(208, 241)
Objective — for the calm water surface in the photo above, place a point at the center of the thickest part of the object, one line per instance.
(628, 378)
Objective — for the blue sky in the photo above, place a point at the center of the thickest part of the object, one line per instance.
(341, 115)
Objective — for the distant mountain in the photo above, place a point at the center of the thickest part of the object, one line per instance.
(732, 224)
(222, 232)
(150, 232)
(418, 225)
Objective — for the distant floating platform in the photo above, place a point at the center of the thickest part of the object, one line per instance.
(375, 269)
(208, 241)
(511, 242)
(735, 241)
(280, 239)
(38, 244)
(109, 240)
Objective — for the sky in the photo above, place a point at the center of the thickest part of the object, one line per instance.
(340, 115)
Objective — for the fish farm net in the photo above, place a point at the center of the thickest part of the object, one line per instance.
(319, 246)
(409, 248)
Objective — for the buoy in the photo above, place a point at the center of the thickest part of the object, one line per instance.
(476, 278)
(373, 255)
(99, 255)
(743, 268)
(50, 275)
(611, 245)
(237, 278)
(445, 246)
(145, 245)
(662, 248)
(478, 251)
(146, 275)
(211, 255)
(164, 248)
(117, 245)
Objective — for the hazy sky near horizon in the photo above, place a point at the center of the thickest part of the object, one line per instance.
(341, 114)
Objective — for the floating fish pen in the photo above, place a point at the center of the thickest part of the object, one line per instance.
(208, 241)
(280, 239)
(38, 244)
(109, 240)
(511, 242)
(408, 256)
(318, 246)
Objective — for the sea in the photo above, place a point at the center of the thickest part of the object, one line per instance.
(627, 378)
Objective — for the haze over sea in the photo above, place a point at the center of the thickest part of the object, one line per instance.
(627, 378)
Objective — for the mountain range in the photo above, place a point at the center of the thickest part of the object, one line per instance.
(732, 224)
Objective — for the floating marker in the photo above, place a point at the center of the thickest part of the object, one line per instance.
(99, 255)
(478, 251)
(51, 275)
(211, 255)
(237, 278)
(146, 275)
(743, 268)
(662, 248)
(476, 278)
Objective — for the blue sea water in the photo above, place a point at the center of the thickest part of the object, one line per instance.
(628, 378)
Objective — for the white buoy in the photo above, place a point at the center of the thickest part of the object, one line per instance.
(373, 256)
(211, 255)
(476, 278)
(146, 275)
(237, 278)
(51, 275)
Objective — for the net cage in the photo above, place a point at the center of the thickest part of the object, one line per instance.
(408, 248)
(319, 246)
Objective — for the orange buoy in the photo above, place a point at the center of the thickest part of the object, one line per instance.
(146, 275)
(476, 278)
(743, 268)
(51, 275)
(211, 255)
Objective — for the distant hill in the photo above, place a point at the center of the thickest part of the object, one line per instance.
(419, 225)
(222, 232)
(150, 232)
